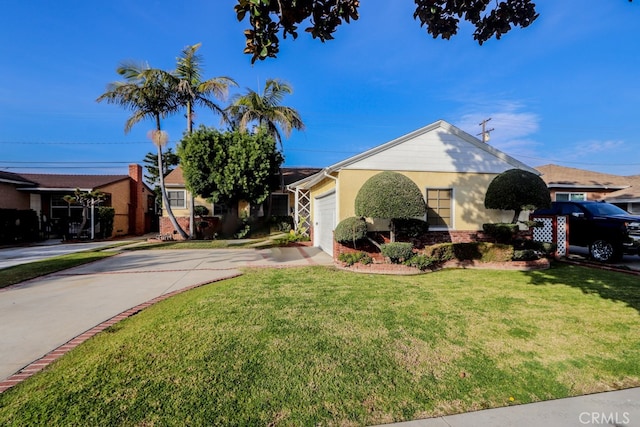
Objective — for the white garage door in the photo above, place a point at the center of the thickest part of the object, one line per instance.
(324, 214)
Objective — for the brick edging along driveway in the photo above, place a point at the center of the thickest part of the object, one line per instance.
(53, 355)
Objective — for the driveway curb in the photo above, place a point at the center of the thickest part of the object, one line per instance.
(53, 355)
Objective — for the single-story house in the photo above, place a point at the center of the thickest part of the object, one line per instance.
(282, 201)
(578, 184)
(132, 200)
(452, 168)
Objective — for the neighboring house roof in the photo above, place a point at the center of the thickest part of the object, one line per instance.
(13, 178)
(289, 175)
(56, 182)
(175, 178)
(627, 195)
(438, 147)
(562, 177)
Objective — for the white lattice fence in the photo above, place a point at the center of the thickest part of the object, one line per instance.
(554, 230)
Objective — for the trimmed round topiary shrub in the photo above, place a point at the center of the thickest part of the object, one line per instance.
(390, 195)
(350, 230)
(516, 190)
(397, 252)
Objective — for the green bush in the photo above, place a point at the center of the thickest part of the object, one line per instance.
(352, 258)
(525, 255)
(441, 252)
(409, 228)
(281, 223)
(480, 251)
(350, 231)
(390, 195)
(421, 262)
(200, 210)
(106, 216)
(397, 252)
(503, 232)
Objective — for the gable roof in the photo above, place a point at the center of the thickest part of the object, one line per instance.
(559, 176)
(438, 147)
(56, 182)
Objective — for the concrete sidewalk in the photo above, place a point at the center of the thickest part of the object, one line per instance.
(613, 408)
(40, 315)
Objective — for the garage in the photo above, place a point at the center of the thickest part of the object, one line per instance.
(324, 221)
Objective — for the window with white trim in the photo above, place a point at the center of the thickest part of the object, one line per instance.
(177, 199)
(440, 208)
(567, 197)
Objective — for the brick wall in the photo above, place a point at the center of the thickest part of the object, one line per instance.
(166, 228)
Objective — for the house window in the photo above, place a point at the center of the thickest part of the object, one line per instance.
(439, 208)
(280, 205)
(177, 199)
(566, 197)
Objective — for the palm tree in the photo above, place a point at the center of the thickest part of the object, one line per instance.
(148, 93)
(192, 90)
(265, 109)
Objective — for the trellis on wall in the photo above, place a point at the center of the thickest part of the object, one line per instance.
(302, 213)
(555, 229)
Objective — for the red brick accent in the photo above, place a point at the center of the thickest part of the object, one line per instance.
(166, 228)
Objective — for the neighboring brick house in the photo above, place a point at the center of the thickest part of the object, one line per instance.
(132, 200)
(578, 184)
(282, 201)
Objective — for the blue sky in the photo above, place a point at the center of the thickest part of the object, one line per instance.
(565, 90)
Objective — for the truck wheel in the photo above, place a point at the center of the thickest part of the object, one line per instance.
(604, 251)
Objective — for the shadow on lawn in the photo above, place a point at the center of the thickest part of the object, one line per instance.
(609, 285)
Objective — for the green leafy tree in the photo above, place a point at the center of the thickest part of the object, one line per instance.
(517, 190)
(269, 18)
(230, 166)
(149, 93)
(194, 91)
(265, 110)
(390, 195)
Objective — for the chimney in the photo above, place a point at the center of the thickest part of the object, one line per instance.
(136, 204)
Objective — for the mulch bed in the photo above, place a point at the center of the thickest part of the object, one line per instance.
(399, 269)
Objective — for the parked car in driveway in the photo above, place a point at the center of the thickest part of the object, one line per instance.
(607, 230)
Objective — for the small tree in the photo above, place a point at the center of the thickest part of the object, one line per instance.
(390, 195)
(86, 199)
(517, 190)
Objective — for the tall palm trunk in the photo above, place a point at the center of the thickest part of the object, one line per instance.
(192, 201)
(163, 189)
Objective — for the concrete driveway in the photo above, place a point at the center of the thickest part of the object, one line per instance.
(50, 248)
(43, 314)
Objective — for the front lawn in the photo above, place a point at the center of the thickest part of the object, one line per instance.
(317, 346)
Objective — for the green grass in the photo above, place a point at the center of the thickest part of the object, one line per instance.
(202, 244)
(317, 346)
(20, 273)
